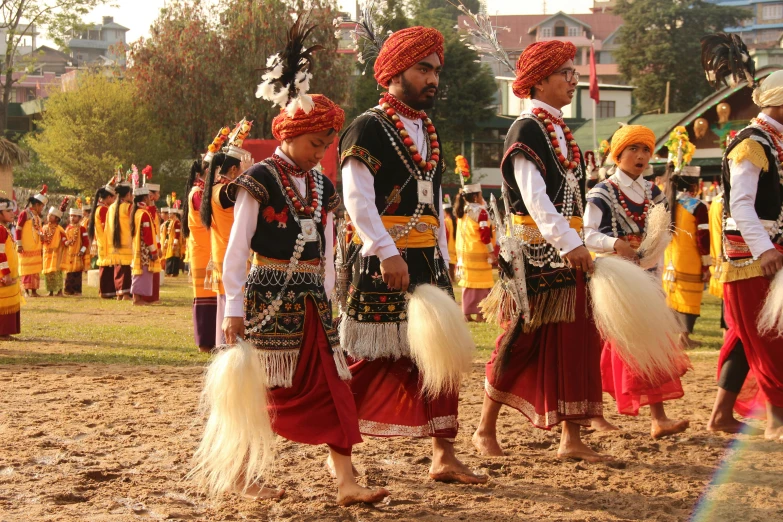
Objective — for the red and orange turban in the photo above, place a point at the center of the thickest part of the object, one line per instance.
(325, 114)
(538, 61)
(404, 49)
(629, 135)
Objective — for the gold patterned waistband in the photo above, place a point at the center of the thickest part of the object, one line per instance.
(311, 266)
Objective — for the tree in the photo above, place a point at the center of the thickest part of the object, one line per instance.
(87, 132)
(218, 62)
(19, 18)
(660, 43)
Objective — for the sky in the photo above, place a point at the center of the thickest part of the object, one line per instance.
(138, 15)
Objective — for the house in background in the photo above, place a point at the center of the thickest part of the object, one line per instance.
(101, 44)
(765, 24)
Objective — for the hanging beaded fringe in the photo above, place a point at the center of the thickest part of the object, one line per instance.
(208, 275)
(374, 340)
(726, 272)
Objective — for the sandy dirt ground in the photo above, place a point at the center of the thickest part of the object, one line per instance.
(113, 443)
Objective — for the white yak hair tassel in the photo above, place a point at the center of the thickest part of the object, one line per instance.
(657, 236)
(237, 446)
(440, 343)
(630, 310)
(771, 317)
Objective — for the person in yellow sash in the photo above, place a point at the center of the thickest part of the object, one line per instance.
(165, 220)
(76, 260)
(199, 252)
(52, 240)
(10, 293)
(173, 253)
(687, 259)
(451, 235)
(118, 233)
(217, 210)
(475, 250)
(145, 248)
(154, 189)
(28, 242)
(96, 230)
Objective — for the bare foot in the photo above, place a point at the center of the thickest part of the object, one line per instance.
(256, 492)
(774, 433)
(455, 472)
(330, 467)
(7, 338)
(600, 424)
(487, 445)
(578, 450)
(355, 494)
(732, 425)
(662, 428)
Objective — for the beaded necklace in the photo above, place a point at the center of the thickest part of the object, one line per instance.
(550, 121)
(619, 204)
(392, 106)
(285, 170)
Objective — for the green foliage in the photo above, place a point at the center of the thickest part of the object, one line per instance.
(35, 172)
(660, 43)
(86, 132)
(442, 9)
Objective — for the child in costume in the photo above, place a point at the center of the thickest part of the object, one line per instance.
(616, 220)
(283, 213)
(28, 242)
(52, 240)
(76, 259)
(174, 242)
(10, 293)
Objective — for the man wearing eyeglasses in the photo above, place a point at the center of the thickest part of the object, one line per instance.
(547, 364)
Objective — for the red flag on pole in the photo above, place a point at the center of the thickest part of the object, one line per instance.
(594, 93)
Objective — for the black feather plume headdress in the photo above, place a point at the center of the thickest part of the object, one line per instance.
(726, 60)
(368, 38)
(287, 77)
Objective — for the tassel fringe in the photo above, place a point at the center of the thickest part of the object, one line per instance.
(730, 273)
(374, 340)
(341, 364)
(554, 306)
(280, 366)
(498, 307)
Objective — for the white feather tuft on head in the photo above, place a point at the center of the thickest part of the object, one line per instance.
(265, 90)
(650, 347)
(771, 318)
(271, 60)
(237, 446)
(440, 342)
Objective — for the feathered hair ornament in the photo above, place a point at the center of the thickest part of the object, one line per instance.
(368, 40)
(147, 173)
(484, 31)
(135, 177)
(64, 204)
(87, 200)
(726, 60)
(287, 77)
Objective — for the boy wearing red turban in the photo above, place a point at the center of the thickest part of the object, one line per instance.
(547, 364)
(392, 169)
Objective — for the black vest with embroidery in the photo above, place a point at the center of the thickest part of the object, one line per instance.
(373, 139)
(274, 241)
(770, 185)
(601, 197)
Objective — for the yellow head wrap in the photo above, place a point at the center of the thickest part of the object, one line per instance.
(628, 135)
(770, 92)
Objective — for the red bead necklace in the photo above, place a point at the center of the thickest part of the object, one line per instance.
(639, 218)
(392, 106)
(550, 121)
(286, 169)
(777, 137)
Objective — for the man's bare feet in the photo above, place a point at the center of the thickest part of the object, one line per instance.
(446, 467)
(572, 446)
(351, 494)
(257, 492)
(330, 468)
(487, 445)
(664, 427)
(731, 425)
(600, 424)
(775, 433)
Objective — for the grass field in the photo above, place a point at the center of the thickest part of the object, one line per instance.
(88, 329)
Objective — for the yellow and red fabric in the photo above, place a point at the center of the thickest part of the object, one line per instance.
(539, 61)
(10, 295)
(122, 255)
(325, 114)
(54, 235)
(474, 240)
(77, 250)
(405, 48)
(28, 228)
(144, 236)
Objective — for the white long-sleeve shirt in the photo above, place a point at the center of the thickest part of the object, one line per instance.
(552, 225)
(598, 242)
(744, 179)
(246, 212)
(359, 193)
